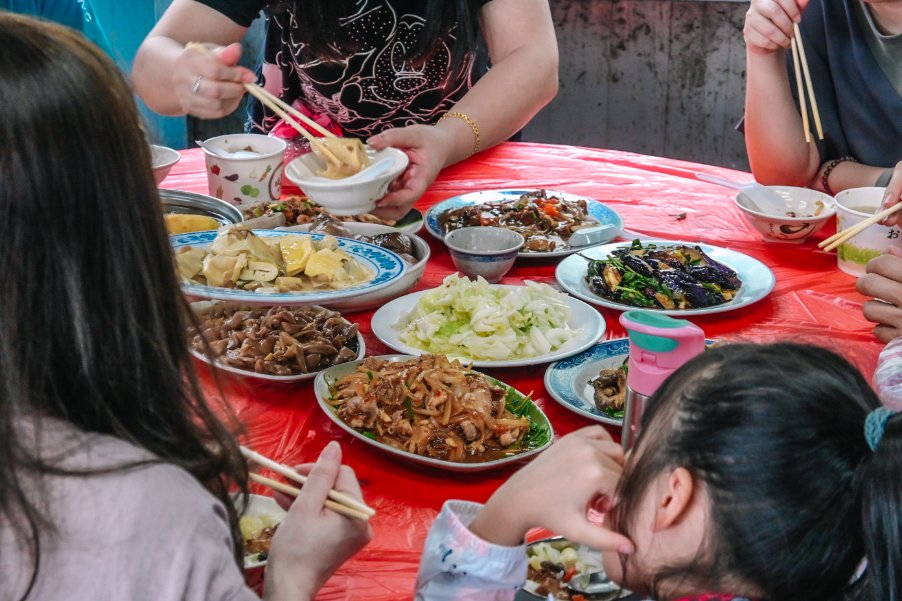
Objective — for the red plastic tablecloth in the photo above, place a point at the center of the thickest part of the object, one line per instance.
(812, 301)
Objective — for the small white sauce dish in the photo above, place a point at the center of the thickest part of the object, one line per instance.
(812, 209)
(162, 159)
(484, 251)
(353, 195)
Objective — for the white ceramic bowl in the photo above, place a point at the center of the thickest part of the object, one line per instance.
(421, 253)
(783, 228)
(852, 207)
(338, 196)
(484, 251)
(163, 159)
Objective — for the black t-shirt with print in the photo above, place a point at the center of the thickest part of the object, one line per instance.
(371, 88)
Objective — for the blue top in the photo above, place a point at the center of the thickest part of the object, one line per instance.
(861, 111)
(66, 12)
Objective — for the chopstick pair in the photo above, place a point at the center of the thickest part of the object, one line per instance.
(283, 110)
(845, 235)
(337, 501)
(798, 57)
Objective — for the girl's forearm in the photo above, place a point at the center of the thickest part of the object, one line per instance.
(774, 137)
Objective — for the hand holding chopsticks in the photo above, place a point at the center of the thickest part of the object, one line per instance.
(337, 501)
(844, 236)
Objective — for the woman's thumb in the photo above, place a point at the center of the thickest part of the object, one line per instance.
(230, 54)
(321, 479)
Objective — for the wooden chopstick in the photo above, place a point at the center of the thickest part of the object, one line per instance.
(291, 490)
(803, 108)
(805, 71)
(291, 474)
(293, 111)
(843, 236)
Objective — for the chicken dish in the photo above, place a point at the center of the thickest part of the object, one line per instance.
(434, 407)
(299, 210)
(545, 221)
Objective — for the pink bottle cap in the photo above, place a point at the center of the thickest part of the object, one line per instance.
(659, 345)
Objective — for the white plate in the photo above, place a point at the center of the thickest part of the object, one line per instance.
(600, 212)
(568, 380)
(325, 378)
(204, 306)
(757, 279)
(588, 324)
(387, 266)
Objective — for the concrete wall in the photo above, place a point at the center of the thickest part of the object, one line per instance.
(661, 77)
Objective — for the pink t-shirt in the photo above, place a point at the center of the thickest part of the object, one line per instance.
(148, 533)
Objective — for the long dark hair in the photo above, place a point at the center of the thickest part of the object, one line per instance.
(317, 23)
(774, 434)
(92, 321)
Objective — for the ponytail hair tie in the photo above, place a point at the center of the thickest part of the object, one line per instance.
(888, 380)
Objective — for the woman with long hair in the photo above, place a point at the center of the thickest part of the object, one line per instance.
(117, 479)
(405, 73)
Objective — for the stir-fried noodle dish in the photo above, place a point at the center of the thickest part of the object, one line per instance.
(437, 408)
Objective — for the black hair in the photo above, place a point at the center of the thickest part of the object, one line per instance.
(92, 321)
(316, 24)
(774, 435)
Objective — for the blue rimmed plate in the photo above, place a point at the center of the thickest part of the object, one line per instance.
(601, 213)
(568, 381)
(757, 279)
(386, 266)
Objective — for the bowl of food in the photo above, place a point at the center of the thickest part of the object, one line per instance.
(354, 190)
(281, 344)
(564, 570)
(410, 247)
(484, 251)
(162, 159)
(854, 206)
(806, 212)
(186, 212)
(258, 524)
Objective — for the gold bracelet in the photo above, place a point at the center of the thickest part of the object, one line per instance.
(469, 122)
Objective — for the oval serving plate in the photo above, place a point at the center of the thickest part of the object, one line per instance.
(757, 278)
(386, 266)
(569, 381)
(324, 380)
(603, 214)
(603, 590)
(587, 322)
(204, 306)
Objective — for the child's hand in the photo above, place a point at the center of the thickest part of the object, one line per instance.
(555, 491)
(312, 541)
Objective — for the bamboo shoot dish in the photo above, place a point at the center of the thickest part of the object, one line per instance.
(237, 258)
(436, 407)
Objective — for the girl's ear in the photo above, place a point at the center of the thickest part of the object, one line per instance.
(674, 498)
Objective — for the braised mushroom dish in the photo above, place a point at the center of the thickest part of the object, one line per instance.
(277, 341)
(545, 221)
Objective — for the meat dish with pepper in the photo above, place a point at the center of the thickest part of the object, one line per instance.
(662, 277)
(435, 407)
(545, 221)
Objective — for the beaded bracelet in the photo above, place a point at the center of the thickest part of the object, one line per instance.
(825, 179)
(469, 122)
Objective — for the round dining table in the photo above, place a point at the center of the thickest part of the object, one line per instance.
(657, 197)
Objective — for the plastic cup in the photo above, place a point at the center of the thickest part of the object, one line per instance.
(245, 169)
(852, 207)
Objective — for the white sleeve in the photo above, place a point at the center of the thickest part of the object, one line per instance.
(456, 564)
